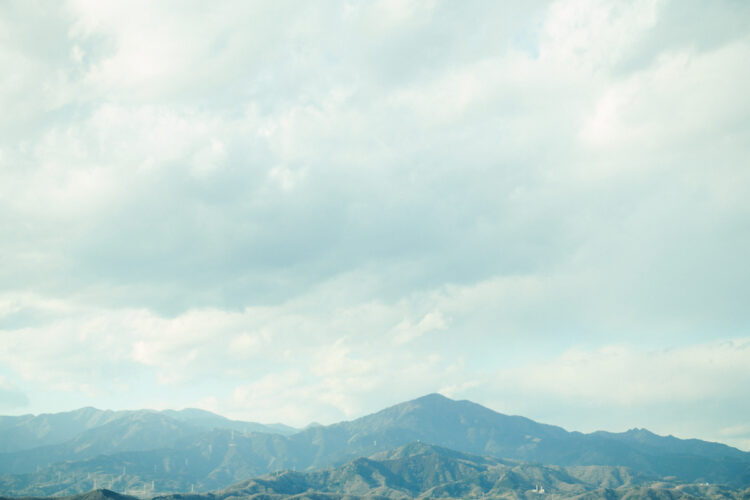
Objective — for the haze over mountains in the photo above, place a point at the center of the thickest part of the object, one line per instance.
(149, 452)
(31, 431)
(42, 440)
(418, 470)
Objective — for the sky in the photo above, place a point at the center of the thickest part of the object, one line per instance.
(290, 211)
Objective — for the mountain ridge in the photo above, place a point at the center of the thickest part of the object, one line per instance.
(419, 470)
(23, 432)
(211, 460)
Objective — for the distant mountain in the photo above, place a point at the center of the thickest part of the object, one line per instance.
(210, 421)
(419, 470)
(172, 451)
(210, 460)
(135, 431)
(96, 432)
(31, 431)
(25, 432)
(472, 428)
(669, 444)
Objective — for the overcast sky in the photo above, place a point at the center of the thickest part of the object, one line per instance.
(297, 211)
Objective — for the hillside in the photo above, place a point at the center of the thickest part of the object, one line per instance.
(155, 452)
(418, 470)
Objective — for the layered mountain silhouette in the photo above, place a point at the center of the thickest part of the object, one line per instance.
(193, 451)
(95, 432)
(419, 470)
(33, 431)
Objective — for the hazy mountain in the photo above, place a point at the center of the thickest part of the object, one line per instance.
(472, 428)
(171, 452)
(209, 420)
(136, 431)
(670, 444)
(31, 431)
(208, 461)
(128, 431)
(418, 470)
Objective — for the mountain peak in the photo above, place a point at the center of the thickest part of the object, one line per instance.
(102, 494)
(425, 434)
(434, 396)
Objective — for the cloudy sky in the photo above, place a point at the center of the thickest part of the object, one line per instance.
(296, 211)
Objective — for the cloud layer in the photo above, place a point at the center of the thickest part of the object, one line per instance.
(295, 213)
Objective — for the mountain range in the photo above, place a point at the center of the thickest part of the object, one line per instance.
(147, 453)
(419, 470)
(33, 431)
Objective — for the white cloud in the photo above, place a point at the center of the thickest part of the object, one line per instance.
(266, 206)
(406, 331)
(672, 101)
(626, 376)
(594, 35)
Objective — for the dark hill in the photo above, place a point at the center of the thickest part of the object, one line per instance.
(89, 495)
